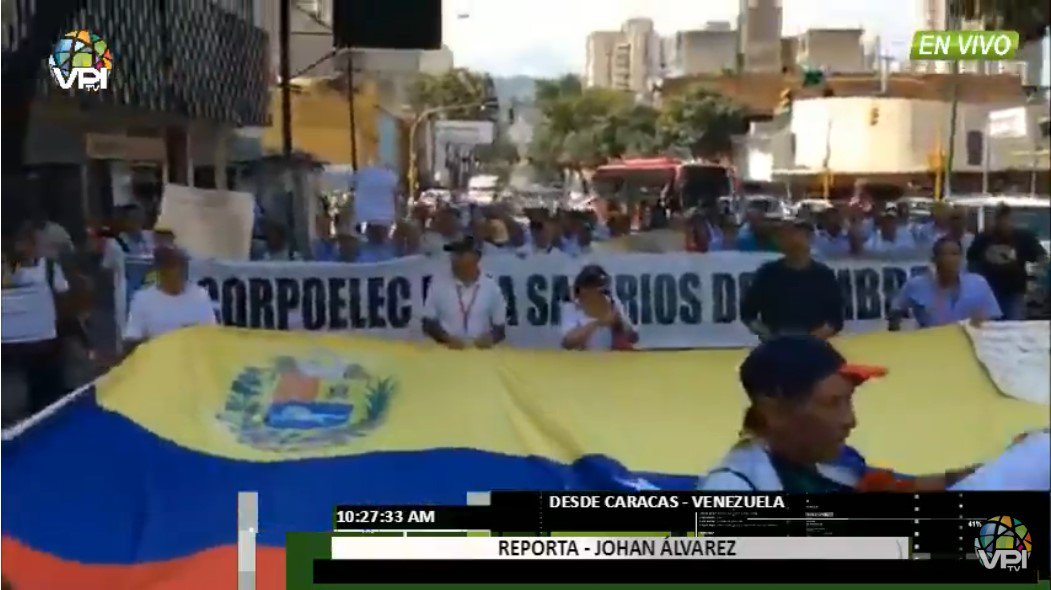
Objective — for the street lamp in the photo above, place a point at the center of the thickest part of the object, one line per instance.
(420, 118)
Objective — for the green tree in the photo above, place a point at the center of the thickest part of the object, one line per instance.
(584, 128)
(634, 133)
(700, 122)
(498, 157)
(453, 88)
(546, 91)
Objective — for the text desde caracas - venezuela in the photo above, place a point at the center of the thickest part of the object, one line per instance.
(729, 501)
(666, 547)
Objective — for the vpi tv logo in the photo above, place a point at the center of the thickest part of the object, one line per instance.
(81, 60)
(1003, 543)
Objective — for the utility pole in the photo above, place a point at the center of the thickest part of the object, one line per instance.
(884, 73)
(956, 20)
(953, 111)
(285, 32)
(350, 108)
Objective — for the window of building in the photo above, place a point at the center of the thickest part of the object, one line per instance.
(975, 146)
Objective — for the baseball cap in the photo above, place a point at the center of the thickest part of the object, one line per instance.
(592, 275)
(168, 257)
(790, 366)
(464, 245)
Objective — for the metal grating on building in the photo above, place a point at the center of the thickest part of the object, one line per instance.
(190, 58)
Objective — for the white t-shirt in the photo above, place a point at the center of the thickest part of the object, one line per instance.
(54, 240)
(29, 313)
(154, 312)
(466, 311)
(113, 260)
(37, 275)
(573, 317)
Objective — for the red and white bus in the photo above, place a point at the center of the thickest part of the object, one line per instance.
(694, 183)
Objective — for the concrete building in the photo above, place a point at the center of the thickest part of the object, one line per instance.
(598, 70)
(789, 49)
(759, 25)
(157, 128)
(707, 51)
(760, 93)
(834, 50)
(311, 42)
(629, 59)
(907, 134)
(644, 52)
(932, 15)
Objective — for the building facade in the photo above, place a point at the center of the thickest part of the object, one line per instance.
(707, 51)
(184, 75)
(759, 26)
(932, 15)
(311, 52)
(598, 68)
(906, 136)
(837, 51)
(631, 59)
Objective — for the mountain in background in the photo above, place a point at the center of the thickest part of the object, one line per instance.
(512, 89)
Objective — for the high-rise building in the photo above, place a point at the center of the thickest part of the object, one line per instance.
(759, 27)
(628, 59)
(598, 71)
(933, 14)
(707, 51)
(832, 50)
(644, 51)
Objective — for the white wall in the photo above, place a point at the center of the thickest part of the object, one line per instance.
(705, 52)
(902, 140)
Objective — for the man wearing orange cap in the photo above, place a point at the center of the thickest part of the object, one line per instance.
(795, 431)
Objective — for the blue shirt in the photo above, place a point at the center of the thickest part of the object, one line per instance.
(325, 251)
(828, 245)
(933, 306)
(376, 253)
(752, 243)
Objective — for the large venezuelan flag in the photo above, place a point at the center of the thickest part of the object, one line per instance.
(134, 485)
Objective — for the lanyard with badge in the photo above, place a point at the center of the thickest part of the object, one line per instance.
(465, 310)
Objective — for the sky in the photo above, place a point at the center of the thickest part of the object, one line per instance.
(547, 37)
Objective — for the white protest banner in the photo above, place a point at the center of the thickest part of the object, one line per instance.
(209, 223)
(676, 300)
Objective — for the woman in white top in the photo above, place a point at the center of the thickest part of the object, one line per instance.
(170, 304)
(594, 320)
